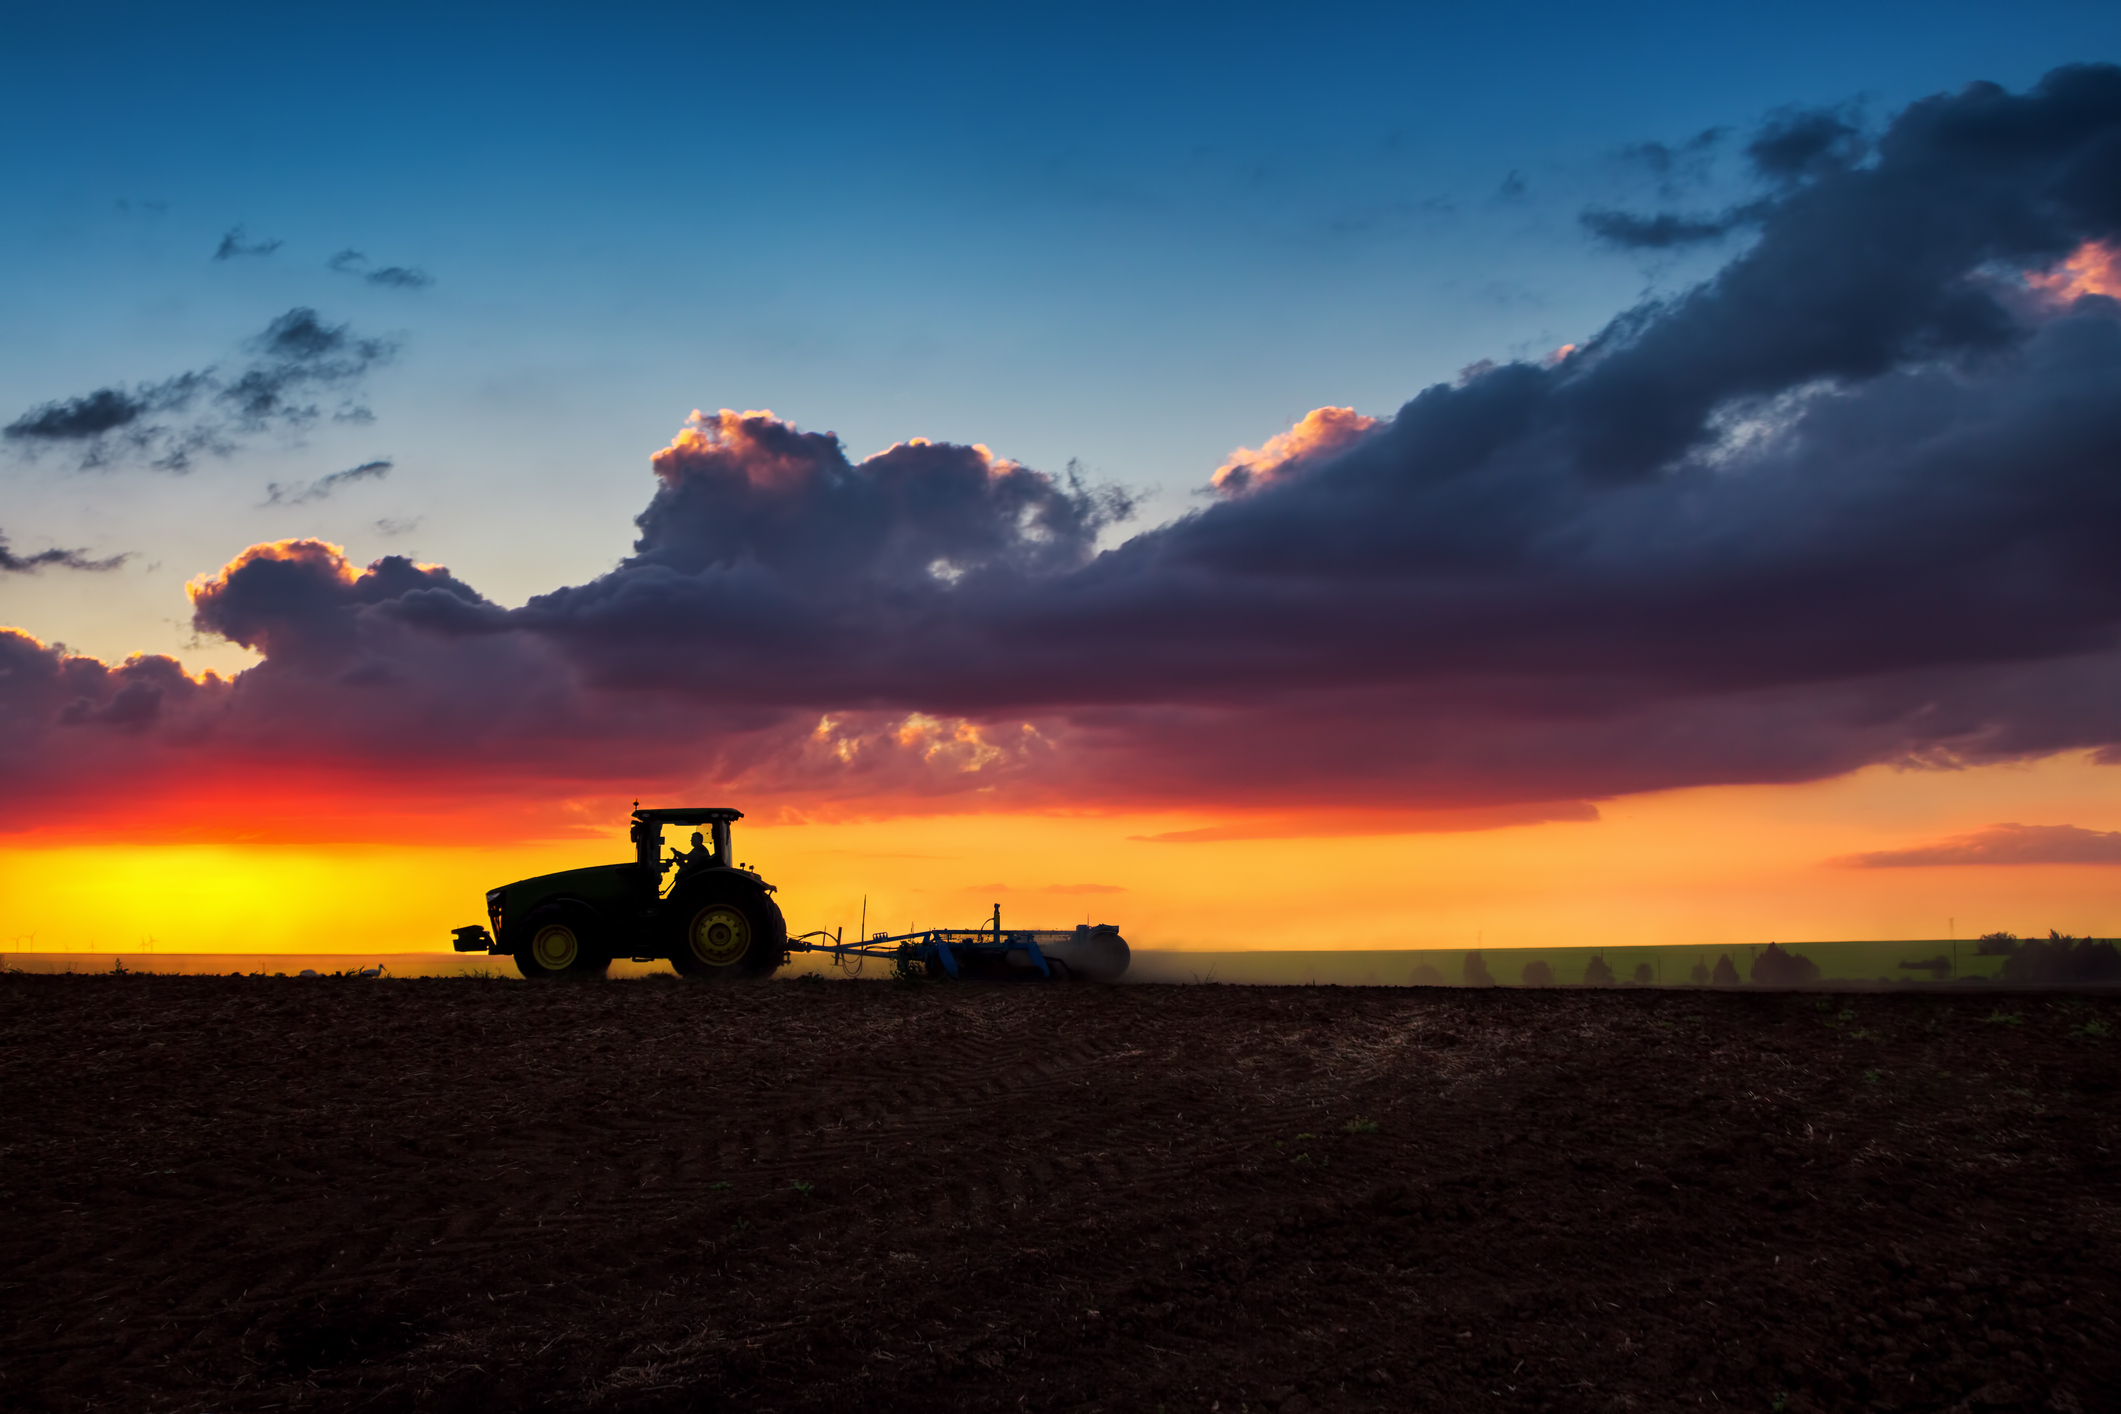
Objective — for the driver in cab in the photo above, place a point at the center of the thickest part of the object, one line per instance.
(698, 857)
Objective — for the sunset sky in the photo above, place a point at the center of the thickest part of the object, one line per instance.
(1264, 477)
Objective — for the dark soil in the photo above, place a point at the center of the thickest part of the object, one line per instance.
(340, 1194)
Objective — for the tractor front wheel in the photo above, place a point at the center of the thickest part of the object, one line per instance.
(725, 929)
(561, 940)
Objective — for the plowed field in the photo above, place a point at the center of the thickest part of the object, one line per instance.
(238, 1194)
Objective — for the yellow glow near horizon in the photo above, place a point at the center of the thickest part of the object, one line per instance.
(1704, 867)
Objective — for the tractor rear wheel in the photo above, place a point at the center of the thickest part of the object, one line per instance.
(723, 928)
(561, 940)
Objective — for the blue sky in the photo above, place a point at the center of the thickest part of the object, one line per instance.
(1131, 240)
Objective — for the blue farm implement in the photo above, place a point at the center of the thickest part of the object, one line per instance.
(1094, 954)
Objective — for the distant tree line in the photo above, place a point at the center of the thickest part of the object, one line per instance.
(1722, 975)
(2056, 960)
(1775, 967)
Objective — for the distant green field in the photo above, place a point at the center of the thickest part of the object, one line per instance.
(1848, 961)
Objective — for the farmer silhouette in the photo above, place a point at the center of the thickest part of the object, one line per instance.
(698, 857)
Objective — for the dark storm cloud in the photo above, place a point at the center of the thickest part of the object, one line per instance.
(1852, 500)
(323, 486)
(2003, 844)
(298, 358)
(52, 692)
(235, 244)
(296, 600)
(12, 563)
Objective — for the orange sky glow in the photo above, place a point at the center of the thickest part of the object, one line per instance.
(2094, 268)
(1708, 866)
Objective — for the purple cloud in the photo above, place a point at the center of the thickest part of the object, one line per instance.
(2002, 844)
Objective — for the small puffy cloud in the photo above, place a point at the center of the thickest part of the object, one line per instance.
(397, 277)
(1672, 162)
(1664, 231)
(73, 419)
(235, 245)
(102, 423)
(297, 359)
(12, 563)
(322, 488)
(1791, 148)
(2001, 844)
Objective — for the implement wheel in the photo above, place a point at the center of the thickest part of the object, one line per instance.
(561, 940)
(724, 928)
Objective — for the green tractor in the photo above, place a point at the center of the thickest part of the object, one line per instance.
(714, 918)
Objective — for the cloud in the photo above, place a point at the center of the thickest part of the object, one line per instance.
(1802, 143)
(12, 563)
(1664, 231)
(297, 358)
(1663, 159)
(2094, 268)
(1677, 166)
(1847, 501)
(95, 421)
(1318, 434)
(1794, 146)
(1344, 822)
(323, 486)
(397, 277)
(235, 244)
(400, 277)
(2002, 844)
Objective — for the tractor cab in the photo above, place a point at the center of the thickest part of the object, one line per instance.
(714, 851)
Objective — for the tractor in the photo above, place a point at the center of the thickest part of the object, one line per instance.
(713, 918)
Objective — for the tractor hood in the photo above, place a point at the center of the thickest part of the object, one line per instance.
(597, 884)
